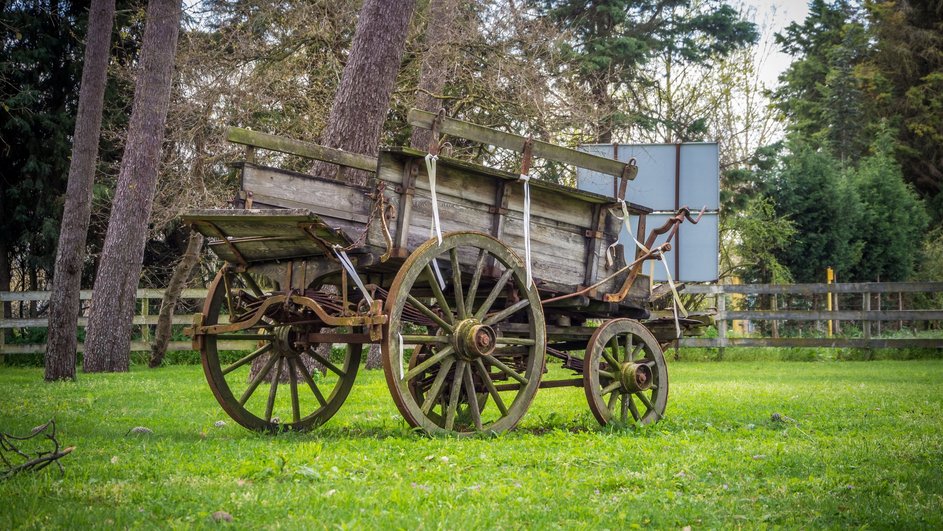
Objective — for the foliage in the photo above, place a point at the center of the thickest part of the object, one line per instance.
(856, 445)
(824, 208)
(758, 234)
(892, 217)
(611, 41)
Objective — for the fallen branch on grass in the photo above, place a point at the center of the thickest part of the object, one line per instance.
(10, 452)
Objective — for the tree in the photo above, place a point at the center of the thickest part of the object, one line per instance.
(820, 93)
(904, 80)
(70, 254)
(108, 334)
(175, 287)
(434, 67)
(893, 219)
(363, 97)
(613, 39)
(811, 192)
(40, 49)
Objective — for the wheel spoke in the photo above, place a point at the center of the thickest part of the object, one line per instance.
(609, 359)
(273, 390)
(453, 398)
(437, 291)
(624, 414)
(613, 398)
(636, 351)
(486, 377)
(293, 382)
(472, 397)
(614, 348)
(632, 407)
(436, 388)
(242, 361)
(425, 340)
(414, 302)
(476, 278)
(507, 312)
(610, 388)
(306, 376)
(646, 402)
(493, 295)
(457, 284)
(629, 340)
(330, 366)
(257, 380)
(432, 360)
(522, 341)
(611, 375)
(506, 370)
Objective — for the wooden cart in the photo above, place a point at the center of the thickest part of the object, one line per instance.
(464, 338)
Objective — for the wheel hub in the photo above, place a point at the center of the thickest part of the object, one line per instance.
(472, 339)
(635, 377)
(285, 341)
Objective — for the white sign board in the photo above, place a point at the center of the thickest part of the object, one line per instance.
(670, 176)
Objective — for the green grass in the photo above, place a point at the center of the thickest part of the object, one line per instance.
(865, 450)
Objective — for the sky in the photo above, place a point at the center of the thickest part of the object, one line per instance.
(772, 16)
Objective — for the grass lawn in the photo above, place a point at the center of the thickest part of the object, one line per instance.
(861, 446)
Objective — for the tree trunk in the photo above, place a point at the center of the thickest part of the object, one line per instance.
(70, 253)
(109, 329)
(177, 282)
(433, 70)
(363, 97)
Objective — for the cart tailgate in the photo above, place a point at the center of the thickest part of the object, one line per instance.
(245, 236)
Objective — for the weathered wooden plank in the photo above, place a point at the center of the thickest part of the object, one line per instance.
(136, 346)
(86, 294)
(835, 342)
(43, 322)
(802, 289)
(844, 315)
(544, 150)
(303, 149)
(324, 197)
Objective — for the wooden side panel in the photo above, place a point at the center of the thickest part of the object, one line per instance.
(325, 197)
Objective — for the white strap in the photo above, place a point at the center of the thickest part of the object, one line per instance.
(530, 276)
(627, 222)
(430, 170)
(676, 298)
(438, 274)
(349, 266)
(402, 371)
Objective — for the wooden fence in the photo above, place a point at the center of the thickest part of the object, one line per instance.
(867, 306)
(868, 314)
(148, 305)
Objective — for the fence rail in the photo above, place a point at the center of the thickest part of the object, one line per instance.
(144, 318)
(869, 319)
(867, 312)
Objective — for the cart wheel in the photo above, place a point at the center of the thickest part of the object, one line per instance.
(625, 364)
(451, 334)
(310, 398)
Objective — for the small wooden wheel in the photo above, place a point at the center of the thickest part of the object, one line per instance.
(470, 330)
(624, 373)
(311, 398)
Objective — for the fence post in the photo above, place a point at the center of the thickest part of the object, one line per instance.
(774, 305)
(866, 306)
(722, 323)
(145, 329)
(879, 323)
(900, 308)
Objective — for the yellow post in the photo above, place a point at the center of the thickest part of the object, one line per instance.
(830, 277)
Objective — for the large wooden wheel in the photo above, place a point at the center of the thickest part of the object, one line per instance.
(465, 331)
(625, 376)
(308, 398)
